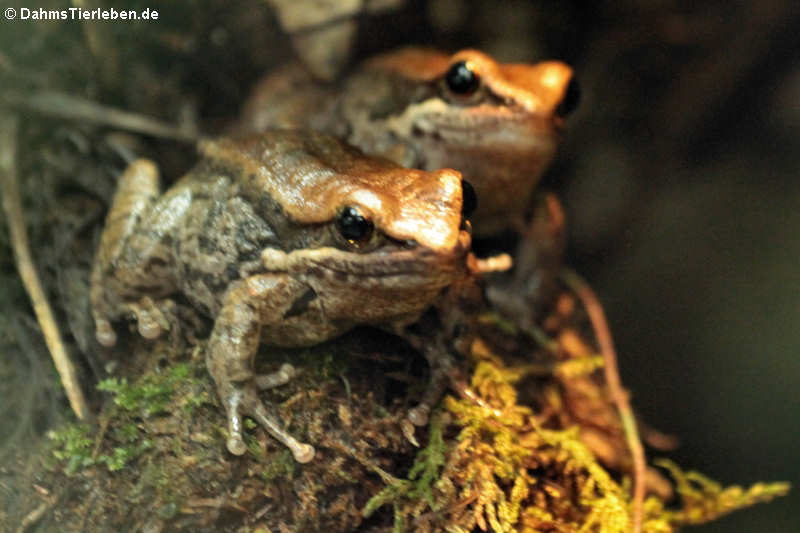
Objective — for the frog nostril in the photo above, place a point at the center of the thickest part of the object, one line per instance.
(469, 200)
(572, 96)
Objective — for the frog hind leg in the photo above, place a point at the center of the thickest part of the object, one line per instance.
(137, 189)
(231, 350)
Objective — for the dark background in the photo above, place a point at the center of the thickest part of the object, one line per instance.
(679, 174)
(680, 177)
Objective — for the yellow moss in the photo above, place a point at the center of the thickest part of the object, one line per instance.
(579, 366)
(507, 473)
(705, 500)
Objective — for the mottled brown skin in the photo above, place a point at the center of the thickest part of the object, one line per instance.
(501, 137)
(249, 237)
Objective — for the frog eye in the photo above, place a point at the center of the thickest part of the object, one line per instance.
(572, 96)
(353, 226)
(461, 79)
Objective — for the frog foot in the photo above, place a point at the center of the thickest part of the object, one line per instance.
(243, 400)
(150, 320)
(419, 415)
(283, 376)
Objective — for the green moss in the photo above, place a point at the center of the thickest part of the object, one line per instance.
(149, 396)
(152, 395)
(394, 492)
(428, 463)
(122, 455)
(331, 365)
(73, 445)
(153, 475)
(419, 485)
(280, 465)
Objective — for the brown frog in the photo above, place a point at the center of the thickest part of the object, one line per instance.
(498, 124)
(288, 238)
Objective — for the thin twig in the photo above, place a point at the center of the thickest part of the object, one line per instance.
(34, 516)
(348, 450)
(598, 319)
(70, 107)
(27, 270)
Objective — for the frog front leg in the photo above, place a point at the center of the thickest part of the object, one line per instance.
(533, 284)
(129, 274)
(449, 329)
(441, 365)
(232, 348)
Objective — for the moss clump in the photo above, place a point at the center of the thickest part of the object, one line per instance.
(705, 500)
(76, 444)
(73, 445)
(130, 445)
(421, 478)
(151, 395)
(504, 471)
(280, 465)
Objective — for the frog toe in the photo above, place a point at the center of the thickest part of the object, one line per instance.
(301, 451)
(149, 329)
(104, 333)
(233, 406)
(244, 401)
(419, 415)
(275, 379)
(236, 445)
(151, 321)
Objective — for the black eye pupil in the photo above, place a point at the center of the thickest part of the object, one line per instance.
(352, 225)
(461, 79)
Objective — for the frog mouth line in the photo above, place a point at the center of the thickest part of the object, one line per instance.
(490, 132)
(400, 264)
(511, 126)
